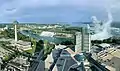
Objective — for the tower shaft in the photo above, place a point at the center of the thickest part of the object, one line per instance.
(15, 32)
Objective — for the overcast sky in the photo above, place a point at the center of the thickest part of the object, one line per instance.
(52, 11)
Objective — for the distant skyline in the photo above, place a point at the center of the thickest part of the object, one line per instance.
(53, 11)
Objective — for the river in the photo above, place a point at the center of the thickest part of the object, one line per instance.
(56, 40)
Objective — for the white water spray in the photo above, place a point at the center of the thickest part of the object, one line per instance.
(102, 31)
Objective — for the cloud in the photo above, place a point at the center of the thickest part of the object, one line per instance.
(18, 9)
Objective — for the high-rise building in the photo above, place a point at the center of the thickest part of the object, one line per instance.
(78, 41)
(82, 40)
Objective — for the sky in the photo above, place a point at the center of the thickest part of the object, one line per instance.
(53, 11)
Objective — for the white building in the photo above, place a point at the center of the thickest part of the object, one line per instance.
(78, 41)
(82, 40)
(21, 45)
(18, 64)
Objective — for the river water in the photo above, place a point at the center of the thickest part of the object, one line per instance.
(56, 40)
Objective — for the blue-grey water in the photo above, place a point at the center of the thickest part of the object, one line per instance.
(56, 40)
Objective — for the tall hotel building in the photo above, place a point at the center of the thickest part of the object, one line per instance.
(82, 40)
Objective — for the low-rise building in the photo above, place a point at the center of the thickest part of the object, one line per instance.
(18, 64)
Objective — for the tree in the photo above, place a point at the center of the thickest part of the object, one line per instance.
(39, 45)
